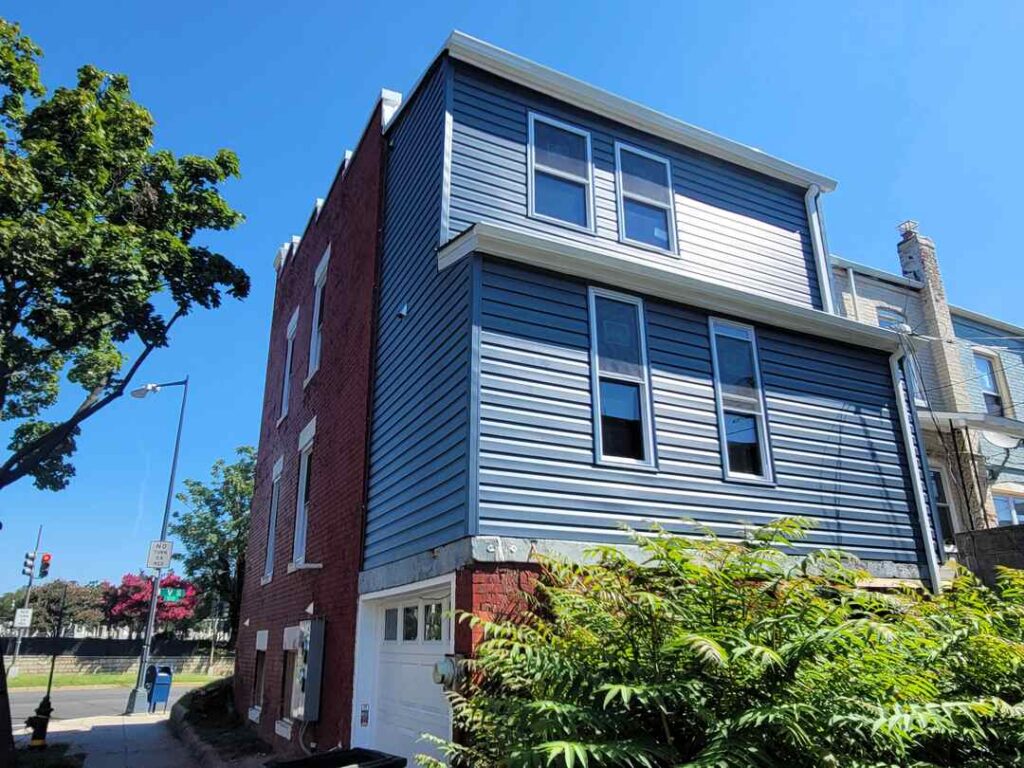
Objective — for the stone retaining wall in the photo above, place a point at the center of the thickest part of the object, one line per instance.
(223, 665)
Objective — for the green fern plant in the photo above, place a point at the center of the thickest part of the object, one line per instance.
(705, 653)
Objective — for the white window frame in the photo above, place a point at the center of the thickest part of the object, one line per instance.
(1015, 518)
(716, 326)
(621, 195)
(947, 488)
(275, 504)
(1002, 389)
(644, 381)
(533, 167)
(315, 335)
(301, 511)
(289, 356)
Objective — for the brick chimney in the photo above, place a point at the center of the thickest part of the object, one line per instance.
(919, 262)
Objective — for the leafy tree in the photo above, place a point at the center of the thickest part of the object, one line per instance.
(96, 228)
(215, 530)
(84, 605)
(735, 655)
(127, 604)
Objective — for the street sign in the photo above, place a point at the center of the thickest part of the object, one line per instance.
(172, 594)
(23, 618)
(159, 554)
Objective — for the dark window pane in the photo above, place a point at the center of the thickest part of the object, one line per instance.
(646, 223)
(622, 432)
(560, 199)
(736, 366)
(322, 308)
(942, 506)
(743, 444)
(562, 150)
(391, 624)
(432, 621)
(644, 176)
(618, 337)
(993, 404)
(410, 622)
(309, 478)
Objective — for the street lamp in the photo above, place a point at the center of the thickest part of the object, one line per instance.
(137, 697)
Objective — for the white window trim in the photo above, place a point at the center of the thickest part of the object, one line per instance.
(1002, 387)
(621, 194)
(1015, 519)
(533, 167)
(947, 488)
(647, 411)
(286, 380)
(301, 519)
(275, 505)
(748, 333)
(316, 350)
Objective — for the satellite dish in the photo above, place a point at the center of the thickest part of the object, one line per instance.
(1002, 440)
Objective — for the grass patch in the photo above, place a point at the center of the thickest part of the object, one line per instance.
(97, 678)
(54, 756)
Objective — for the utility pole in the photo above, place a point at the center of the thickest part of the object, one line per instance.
(13, 670)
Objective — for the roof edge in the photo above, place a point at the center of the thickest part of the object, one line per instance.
(538, 77)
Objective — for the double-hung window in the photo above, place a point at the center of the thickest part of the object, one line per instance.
(560, 172)
(1009, 509)
(742, 426)
(303, 496)
(988, 382)
(644, 188)
(943, 502)
(316, 334)
(289, 357)
(275, 502)
(623, 431)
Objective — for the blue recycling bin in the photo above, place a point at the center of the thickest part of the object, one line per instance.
(160, 692)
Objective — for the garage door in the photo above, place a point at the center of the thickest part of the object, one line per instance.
(415, 633)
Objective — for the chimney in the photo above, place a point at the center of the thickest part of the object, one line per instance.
(918, 261)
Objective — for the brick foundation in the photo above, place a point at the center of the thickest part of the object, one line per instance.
(491, 591)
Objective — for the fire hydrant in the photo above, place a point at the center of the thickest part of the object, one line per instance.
(39, 722)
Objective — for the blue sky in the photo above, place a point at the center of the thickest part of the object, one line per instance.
(913, 107)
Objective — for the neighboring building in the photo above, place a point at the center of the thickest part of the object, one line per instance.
(550, 313)
(970, 386)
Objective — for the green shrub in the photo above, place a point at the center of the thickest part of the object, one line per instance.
(714, 653)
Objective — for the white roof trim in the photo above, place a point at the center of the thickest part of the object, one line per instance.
(979, 420)
(528, 73)
(880, 274)
(978, 317)
(640, 275)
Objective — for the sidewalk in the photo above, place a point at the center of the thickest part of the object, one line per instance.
(115, 741)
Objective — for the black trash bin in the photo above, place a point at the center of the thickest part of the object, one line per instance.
(343, 758)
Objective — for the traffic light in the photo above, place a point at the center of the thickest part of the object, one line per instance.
(44, 565)
(30, 563)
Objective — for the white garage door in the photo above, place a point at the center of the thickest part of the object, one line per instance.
(414, 634)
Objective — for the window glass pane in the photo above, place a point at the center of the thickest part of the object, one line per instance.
(986, 373)
(308, 461)
(559, 149)
(993, 404)
(1004, 509)
(275, 500)
(942, 505)
(432, 621)
(410, 622)
(622, 432)
(891, 319)
(391, 624)
(644, 176)
(560, 199)
(646, 223)
(743, 444)
(618, 337)
(736, 367)
(322, 304)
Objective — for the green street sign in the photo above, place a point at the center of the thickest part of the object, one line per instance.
(171, 594)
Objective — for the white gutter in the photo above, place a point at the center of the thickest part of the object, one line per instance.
(642, 274)
(819, 246)
(914, 457)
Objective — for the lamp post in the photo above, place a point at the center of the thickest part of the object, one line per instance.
(137, 697)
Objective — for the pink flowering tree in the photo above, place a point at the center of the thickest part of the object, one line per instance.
(127, 604)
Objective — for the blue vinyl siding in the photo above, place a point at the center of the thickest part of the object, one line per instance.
(1011, 355)
(418, 447)
(835, 436)
(733, 226)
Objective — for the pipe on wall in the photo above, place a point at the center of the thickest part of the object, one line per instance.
(819, 245)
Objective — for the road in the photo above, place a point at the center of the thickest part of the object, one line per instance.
(71, 703)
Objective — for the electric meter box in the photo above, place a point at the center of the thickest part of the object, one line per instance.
(307, 640)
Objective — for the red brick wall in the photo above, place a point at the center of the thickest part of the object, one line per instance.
(490, 591)
(338, 395)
